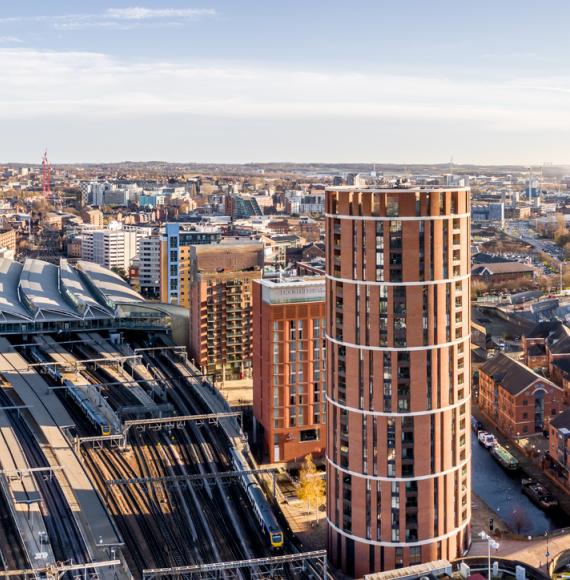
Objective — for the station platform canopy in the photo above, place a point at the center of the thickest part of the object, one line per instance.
(38, 296)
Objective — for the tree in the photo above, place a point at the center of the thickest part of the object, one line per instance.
(479, 287)
(520, 519)
(311, 486)
(561, 232)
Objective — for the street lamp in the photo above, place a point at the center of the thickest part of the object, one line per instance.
(491, 543)
(547, 554)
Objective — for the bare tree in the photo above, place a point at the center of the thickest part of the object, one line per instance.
(520, 519)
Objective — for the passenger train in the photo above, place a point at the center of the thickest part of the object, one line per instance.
(80, 399)
(261, 508)
(83, 402)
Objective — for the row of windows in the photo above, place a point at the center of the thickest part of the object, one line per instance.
(396, 458)
(390, 373)
(400, 503)
(389, 243)
(382, 312)
(394, 204)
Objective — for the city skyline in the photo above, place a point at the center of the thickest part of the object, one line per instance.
(214, 81)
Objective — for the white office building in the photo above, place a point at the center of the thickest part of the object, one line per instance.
(112, 247)
(149, 266)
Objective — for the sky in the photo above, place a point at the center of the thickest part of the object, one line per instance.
(400, 81)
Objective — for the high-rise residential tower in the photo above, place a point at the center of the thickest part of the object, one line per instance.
(398, 382)
(220, 287)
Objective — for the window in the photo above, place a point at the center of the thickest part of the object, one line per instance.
(392, 206)
(309, 435)
(415, 555)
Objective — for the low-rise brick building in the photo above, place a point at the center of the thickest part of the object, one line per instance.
(559, 445)
(518, 400)
(545, 344)
(498, 272)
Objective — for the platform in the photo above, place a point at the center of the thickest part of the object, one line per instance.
(23, 496)
(58, 354)
(50, 416)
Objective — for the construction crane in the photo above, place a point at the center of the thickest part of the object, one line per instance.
(46, 176)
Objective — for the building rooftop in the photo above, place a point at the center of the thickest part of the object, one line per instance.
(38, 290)
(562, 420)
(291, 290)
(501, 268)
(109, 287)
(401, 189)
(511, 374)
(544, 329)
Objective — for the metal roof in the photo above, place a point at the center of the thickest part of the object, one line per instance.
(10, 304)
(74, 286)
(109, 287)
(40, 290)
(39, 282)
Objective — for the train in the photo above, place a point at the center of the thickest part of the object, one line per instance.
(261, 508)
(80, 399)
(83, 402)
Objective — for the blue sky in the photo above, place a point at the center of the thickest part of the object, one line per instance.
(267, 80)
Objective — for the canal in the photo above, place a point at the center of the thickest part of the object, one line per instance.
(501, 491)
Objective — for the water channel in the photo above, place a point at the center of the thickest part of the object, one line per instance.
(501, 491)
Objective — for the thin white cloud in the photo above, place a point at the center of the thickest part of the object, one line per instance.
(117, 18)
(140, 13)
(10, 40)
(82, 85)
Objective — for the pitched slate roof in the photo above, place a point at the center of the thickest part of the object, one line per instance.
(501, 268)
(512, 375)
(543, 329)
(562, 420)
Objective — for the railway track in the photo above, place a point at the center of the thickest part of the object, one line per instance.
(12, 553)
(129, 509)
(213, 446)
(165, 526)
(65, 537)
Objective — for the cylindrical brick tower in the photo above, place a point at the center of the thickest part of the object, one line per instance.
(399, 378)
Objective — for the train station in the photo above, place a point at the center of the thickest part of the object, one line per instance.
(112, 442)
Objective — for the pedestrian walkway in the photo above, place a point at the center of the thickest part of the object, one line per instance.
(310, 528)
(532, 552)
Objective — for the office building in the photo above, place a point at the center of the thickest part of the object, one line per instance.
(176, 240)
(149, 266)
(398, 376)
(221, 306)
(289, 367)
(240, 207)
(111, 248)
